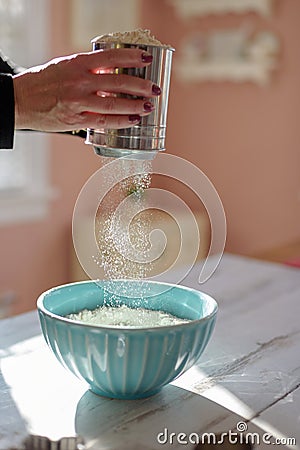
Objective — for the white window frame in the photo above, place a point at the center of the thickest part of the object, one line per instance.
(31, 201)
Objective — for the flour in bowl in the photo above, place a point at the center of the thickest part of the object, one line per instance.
(124, 316)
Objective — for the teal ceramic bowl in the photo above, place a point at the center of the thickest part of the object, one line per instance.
(124, 362)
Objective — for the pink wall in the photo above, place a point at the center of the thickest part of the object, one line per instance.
(35, 256)
(244, 137)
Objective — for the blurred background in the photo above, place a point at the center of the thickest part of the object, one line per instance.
(234, 112)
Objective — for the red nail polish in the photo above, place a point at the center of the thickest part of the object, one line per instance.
(134, 118)
(146, 58)
(148, 107)
(156, 89)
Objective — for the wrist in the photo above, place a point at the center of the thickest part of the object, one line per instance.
(19, 122)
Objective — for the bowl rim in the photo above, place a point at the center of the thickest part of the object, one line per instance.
(41, 307)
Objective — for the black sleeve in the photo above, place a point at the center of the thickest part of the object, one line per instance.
(7, 101)
(7, 111)
(8, 66)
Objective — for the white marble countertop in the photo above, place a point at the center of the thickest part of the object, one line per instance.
(249, 374)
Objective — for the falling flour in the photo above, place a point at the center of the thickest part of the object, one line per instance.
(124, 316)
(123, 237)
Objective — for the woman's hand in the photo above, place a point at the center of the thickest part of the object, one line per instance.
(68, 93)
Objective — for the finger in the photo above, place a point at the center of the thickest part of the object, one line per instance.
(96, 121)
(118, 57)
(116, 105)
(125, 84)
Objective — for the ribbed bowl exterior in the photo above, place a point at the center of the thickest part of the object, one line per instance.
(123, 362)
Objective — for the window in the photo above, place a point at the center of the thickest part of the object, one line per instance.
(24, 184)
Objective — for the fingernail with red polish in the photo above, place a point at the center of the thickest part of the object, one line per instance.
(148, 107)
(156, 89)
(134, 118)
(146, 58)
